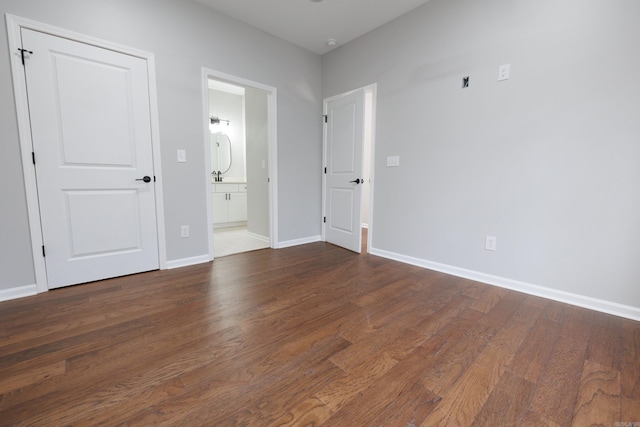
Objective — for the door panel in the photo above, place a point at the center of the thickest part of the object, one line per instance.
(101, 133)
(344, 145)
(237, 207)
(341, 214)
(102, 222)
(220, 214)
(91, 131)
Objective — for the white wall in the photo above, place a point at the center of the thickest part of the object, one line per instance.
(548, 161)
(185, 37)
(256, 114)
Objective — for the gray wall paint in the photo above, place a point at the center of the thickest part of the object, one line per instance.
(184, 36)
(256, 115)
(548, 161)
(16, 263)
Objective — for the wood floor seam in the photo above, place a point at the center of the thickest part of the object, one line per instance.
(311, 335)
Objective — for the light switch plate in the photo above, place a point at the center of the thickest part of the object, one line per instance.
(182, 156)
(393, 161)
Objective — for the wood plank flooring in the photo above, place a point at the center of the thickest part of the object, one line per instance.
(312, 335)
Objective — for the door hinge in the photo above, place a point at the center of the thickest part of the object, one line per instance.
(325, 169)
(325, 221)
(22, 51)
(43, 252)
(326, 118)
(33, 157)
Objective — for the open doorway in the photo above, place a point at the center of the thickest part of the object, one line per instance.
(240, 139)
(367, 165)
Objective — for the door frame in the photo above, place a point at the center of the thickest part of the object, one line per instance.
(272, 148)
(373, 89)
(14, 26)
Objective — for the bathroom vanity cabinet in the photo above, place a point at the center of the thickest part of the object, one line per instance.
(229, 204)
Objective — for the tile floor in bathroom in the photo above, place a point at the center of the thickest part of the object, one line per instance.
(233, 240)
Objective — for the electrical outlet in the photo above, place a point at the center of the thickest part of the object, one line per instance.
(184, 231)
(490, 243)
(503, 72)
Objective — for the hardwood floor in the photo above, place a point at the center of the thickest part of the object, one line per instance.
(312, 335)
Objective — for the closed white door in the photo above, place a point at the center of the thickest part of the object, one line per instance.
(344, 141)
(91, 131)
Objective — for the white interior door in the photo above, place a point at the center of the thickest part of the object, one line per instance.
(344, 141)
(91, 132)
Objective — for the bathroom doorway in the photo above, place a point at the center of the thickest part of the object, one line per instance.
(240, 118)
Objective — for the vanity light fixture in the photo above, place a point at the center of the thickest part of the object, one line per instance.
(216, 121)
(214, 124)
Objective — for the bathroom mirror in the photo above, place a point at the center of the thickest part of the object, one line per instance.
(220, 153)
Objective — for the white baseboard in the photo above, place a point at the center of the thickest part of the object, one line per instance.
(18, 292)
(229, 225)
(609, 307)
(298, 242)
(259, 237)
(185, 262)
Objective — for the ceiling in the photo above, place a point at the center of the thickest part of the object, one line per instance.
(310, 23)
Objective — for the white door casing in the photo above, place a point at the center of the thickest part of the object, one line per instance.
(91, 132)
(272, 162)
(344, 142)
